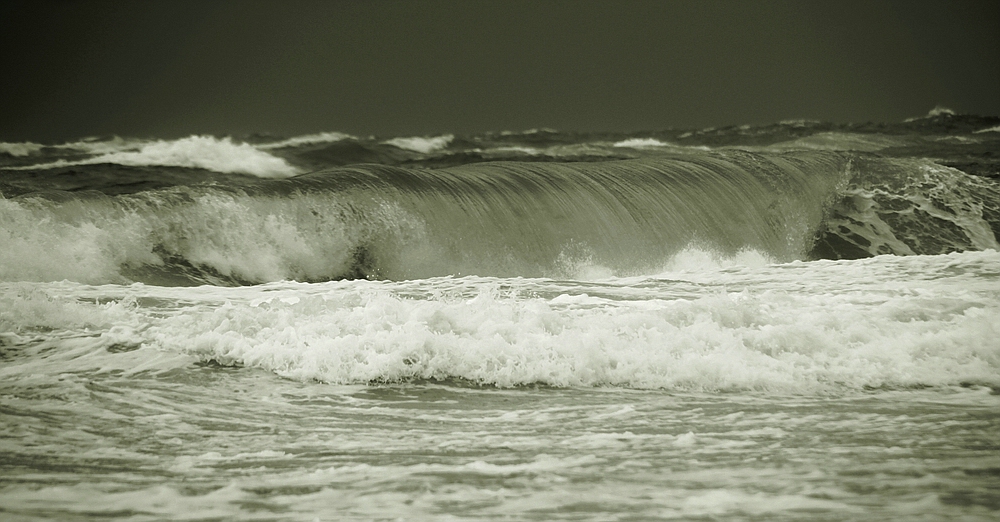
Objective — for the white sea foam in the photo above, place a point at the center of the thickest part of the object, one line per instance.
(530, 151)
(308, 139)
(990, 129)
(204, 152)
(20, 149)
(939, 110)
(423, 145)
(694, 259)
(257, 239)
(800, 327)
(104, 146)
(80, 250)
(640, 143)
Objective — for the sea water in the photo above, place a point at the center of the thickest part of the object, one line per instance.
(797, 321)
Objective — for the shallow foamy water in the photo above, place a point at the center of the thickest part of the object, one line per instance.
(255, 446)
(721, 389)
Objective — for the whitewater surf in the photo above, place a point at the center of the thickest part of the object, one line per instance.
(797, 320)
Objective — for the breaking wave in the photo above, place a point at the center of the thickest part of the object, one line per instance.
(308, 139)
(20, 149)
(202, 152)
(507, 219)
(422, 144)
(798, 327)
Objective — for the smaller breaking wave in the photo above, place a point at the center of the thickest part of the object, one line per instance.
(843, 141)
(308, 139)
(422, 145)
(936, 112)
(801, 327)
(202, 152)
(20, 149)
(640, 143)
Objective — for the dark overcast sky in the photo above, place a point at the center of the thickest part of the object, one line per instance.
(168, 69)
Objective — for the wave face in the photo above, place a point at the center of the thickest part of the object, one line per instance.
(501, 219)
(908, 206)
(504, 219)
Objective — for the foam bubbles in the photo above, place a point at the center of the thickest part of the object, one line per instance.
(700, 259)
(422, 145)
(799, 327)
(640, 143)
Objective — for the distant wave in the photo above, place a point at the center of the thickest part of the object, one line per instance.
(20, 149)
(422, 144)
(640, 143)
(990, 129)
(308, 139)
(842, 141)
(204, 152)
(934, 113)
(104, 146)
(530, 132)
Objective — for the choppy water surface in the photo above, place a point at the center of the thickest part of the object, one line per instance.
(825, 390)
(257, 447)
(792, 321)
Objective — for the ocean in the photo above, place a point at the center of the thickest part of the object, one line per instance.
(798, 320)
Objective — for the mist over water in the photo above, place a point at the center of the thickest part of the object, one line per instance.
(787, 321)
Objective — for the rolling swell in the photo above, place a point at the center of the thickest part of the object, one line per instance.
(497, 219)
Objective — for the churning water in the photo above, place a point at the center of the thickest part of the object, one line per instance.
(799, 320)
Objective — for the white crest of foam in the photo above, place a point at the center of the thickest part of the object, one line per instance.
(991, 129)
(423, 145)
(803, 327)
(20, 149)
(940, 110)
(103, 146)
(640, 143)
(308, 139)
(531, 151)
(203, 152)
(696, 259)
